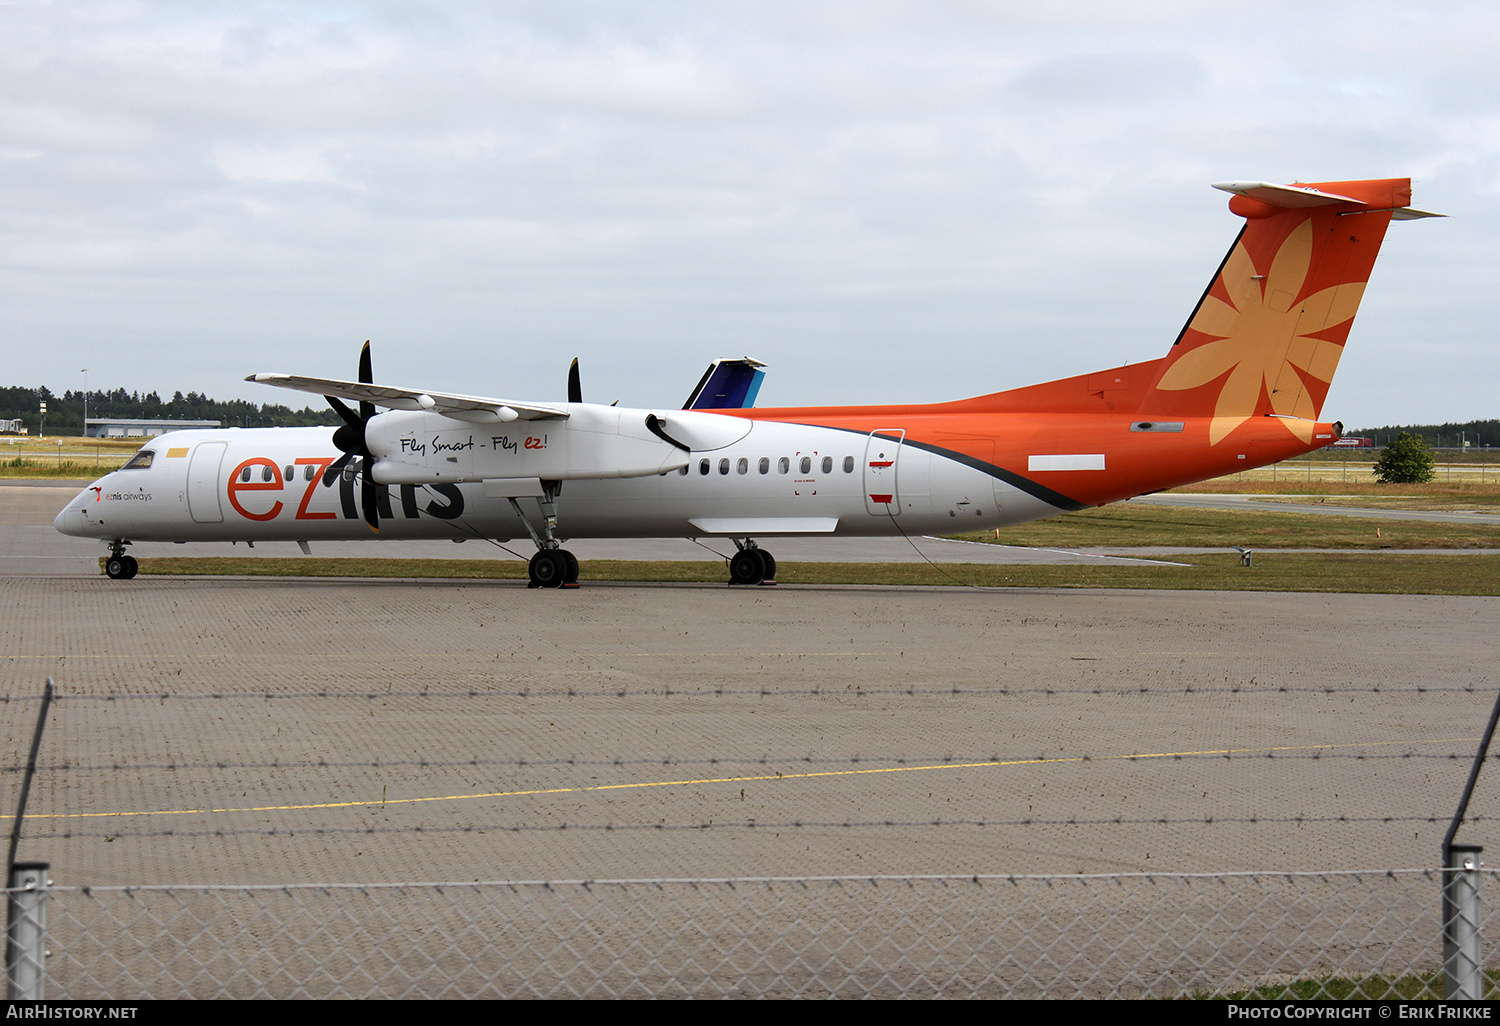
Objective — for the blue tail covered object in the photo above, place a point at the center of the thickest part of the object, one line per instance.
(728, 385)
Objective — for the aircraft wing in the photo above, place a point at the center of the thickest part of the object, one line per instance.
(460, 407)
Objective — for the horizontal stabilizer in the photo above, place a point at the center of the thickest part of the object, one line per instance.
(476, 409)
(1288, 197)
(1411, 214)
(727, 385)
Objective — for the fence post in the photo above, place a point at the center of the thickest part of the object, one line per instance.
(1463, 971)
(36, 744)
(1463, 964)
(26, 931)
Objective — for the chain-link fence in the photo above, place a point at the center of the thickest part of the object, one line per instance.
(1305, 935)
(260, 788)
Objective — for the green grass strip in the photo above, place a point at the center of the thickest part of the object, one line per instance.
(1127, 525)
(1375, 987)
(80, 470)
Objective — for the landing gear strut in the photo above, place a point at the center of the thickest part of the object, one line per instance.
(751, 564)
(119, 566)
(553, 566)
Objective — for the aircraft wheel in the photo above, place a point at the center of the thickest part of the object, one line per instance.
(115, 568)
(131, 566)
(770, 577)
(570, 575)
(747, 567)
(548, 569)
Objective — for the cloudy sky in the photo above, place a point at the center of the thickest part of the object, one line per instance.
(886, 201)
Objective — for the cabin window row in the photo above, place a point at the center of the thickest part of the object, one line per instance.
(763, 465)
(289, 473)
(705, 467)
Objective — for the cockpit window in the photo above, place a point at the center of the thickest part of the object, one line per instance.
(140, 461)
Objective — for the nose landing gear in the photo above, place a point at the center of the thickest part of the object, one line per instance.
(119, 566)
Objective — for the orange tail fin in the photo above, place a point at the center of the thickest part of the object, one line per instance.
(1267, 335)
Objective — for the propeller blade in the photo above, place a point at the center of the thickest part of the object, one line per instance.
(349, 438)
(366, 377)
(335, 468)
(575, 386)
(367, 496)
(350, 417)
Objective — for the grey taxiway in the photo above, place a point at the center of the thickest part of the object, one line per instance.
(219, 730)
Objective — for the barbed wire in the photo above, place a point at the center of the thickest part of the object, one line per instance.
(855, 760)
(718, 692)
(750, 824)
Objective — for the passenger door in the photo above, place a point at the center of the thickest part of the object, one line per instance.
(203, 482)
(882, 454)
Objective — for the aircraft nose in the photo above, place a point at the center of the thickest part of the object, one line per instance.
(73, 519)
(69, 519)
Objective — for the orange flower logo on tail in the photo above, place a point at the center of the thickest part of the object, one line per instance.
(1265, 340)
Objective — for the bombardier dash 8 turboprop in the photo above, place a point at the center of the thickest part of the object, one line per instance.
(1242, 386)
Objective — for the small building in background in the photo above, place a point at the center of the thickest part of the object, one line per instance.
(110, 427)
(12, 427)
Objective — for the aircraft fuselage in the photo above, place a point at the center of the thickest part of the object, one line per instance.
(778, 478)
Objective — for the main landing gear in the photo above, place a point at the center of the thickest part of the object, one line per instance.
(751, 564)
(553, 566)
(120, 567)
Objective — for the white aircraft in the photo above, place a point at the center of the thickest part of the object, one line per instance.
(1242, 386)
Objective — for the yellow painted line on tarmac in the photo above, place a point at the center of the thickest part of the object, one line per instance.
(749, 779)
(717, 654)
(116, 655)
(481, 652)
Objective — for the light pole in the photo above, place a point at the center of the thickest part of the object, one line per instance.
(85, 402)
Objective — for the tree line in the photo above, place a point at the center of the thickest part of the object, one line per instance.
(1440, 436)
(65, 412)
(65, 415)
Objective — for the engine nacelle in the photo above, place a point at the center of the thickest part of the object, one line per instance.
(591, 442)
